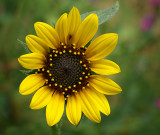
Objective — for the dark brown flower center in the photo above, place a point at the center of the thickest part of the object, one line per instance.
(67, 70)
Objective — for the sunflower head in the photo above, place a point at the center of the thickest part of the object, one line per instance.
(64, 68)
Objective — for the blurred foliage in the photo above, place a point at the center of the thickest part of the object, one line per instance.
(134, 111)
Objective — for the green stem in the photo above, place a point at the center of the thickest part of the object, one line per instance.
(55, 130)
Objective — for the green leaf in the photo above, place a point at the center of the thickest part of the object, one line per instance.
(28, 72)
(24, 45)
(103, 15)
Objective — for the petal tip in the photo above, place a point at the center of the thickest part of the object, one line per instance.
(74, 8)
(20, 91)
(30, 36)
(76, 123)
(108, 111)
(119, 90)
(32, 106)
(98, 120)
(19, 59)
(118, 69)
(27, 37)
(50, 123)
(95, 16)
(37, 24)
(115, 35)
(65, 15)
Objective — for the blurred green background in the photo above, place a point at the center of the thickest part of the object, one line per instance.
(135, 111)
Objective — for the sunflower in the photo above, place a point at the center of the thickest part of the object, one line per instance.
(66, 72)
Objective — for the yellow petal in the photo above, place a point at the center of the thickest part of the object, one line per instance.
(101, 101)
(101, 46)
(74, 21)
(31, 83)
(104, 85)
(89, 107)
(55, 109)
(37, 45)
(32, 60)
(62, 28)
(86, 30)
(41, 98)
(104, 67)
(47, 33)
(73, 110)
